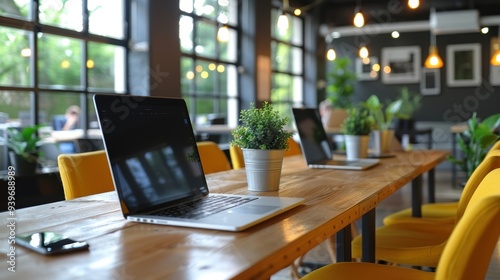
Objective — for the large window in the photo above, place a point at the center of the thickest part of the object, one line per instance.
(287, 55)
(57, 56)
(209, 43)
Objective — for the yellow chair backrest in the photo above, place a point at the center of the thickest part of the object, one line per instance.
(490, 162)
(469, 249)
(494, 147)
(293, 148)
(85, 174)
(212, 157)
(237, 159)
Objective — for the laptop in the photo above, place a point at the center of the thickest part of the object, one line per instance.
(157, 173)
(316, 147)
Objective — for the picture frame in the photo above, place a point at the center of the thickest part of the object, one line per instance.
(364, 71)
(401, 65)
(464, 65)
(430, 84)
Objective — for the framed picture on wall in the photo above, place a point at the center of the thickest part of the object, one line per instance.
(430, 84)
(464, 65)
(364, 70)
(401, 65)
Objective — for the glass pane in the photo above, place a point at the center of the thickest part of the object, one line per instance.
(227, 78)
(106, 67)
(60, 61)
(281, 56)
(106, 18)
(93, 124)
(228, 12)
(206, 8)
(66, 14)
(16, 9)
(63, 109)
(205, 39)
(296, 60)
(15, 54)
(15, 108)
(187, 75)
(229, 49)
(186, 34)
(297, 37)
(186, 6)
(282, 88)
(205, 77)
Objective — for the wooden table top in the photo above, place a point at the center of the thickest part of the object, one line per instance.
(127, 250)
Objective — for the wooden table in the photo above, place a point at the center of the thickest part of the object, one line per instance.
(128, 250)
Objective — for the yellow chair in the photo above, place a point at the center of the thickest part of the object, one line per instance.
(293, 148)
(212, 157)
(422, 244)
(466, 255)
(85, 174)
(446, 212)
(238, 161)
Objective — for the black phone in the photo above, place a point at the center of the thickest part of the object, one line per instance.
(50, 243)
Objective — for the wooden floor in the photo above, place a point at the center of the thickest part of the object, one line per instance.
(400, 200)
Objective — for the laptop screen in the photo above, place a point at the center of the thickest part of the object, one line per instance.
(151, 149)
(313, 138)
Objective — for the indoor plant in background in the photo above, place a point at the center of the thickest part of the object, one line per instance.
(23, 145)
(263, 139)
(338, 93)
(475, 142)
(356, 129)
(410, 103)
(382, 133)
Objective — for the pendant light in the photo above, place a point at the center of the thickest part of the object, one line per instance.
(495, 58)
(359, 19)
(363, 52)
(331, 55)
(283, 19)
(433, 60)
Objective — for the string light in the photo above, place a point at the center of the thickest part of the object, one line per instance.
(331, 55)
(363, 52)
(413, 4)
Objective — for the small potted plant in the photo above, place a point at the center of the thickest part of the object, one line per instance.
(382, 132)
(23, 145)
(356, 129)
(263, 139)
(475, 142)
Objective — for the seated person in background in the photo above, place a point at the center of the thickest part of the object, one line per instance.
(67, 122)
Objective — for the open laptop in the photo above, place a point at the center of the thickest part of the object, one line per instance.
(153, 156)
(316, 146)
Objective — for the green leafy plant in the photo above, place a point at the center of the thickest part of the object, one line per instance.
(358, 122)
(476, 141)
(341, 87)
(382, 119)
(261, 128)
(410, 103)
(23, 142)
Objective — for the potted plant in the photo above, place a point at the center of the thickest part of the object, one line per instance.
(356, 129)
(263, 139)
(475, 142)
(23, 145)
(382, 133)
(338, 93)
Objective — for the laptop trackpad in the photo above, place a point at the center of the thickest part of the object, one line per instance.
(253, 209)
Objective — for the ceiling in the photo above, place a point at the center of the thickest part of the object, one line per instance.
(340, 12)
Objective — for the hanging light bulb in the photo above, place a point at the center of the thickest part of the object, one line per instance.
(283, 22)
(331, 55)
(413, 4)
(359, 19)
(495, 58)
(433, 60)
(223, 34)
(363, 52)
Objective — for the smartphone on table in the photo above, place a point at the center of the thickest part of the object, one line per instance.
(50, 243)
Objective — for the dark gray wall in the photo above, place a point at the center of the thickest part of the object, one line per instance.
(453, 103)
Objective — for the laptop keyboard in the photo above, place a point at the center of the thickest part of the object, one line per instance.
(204, 207)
